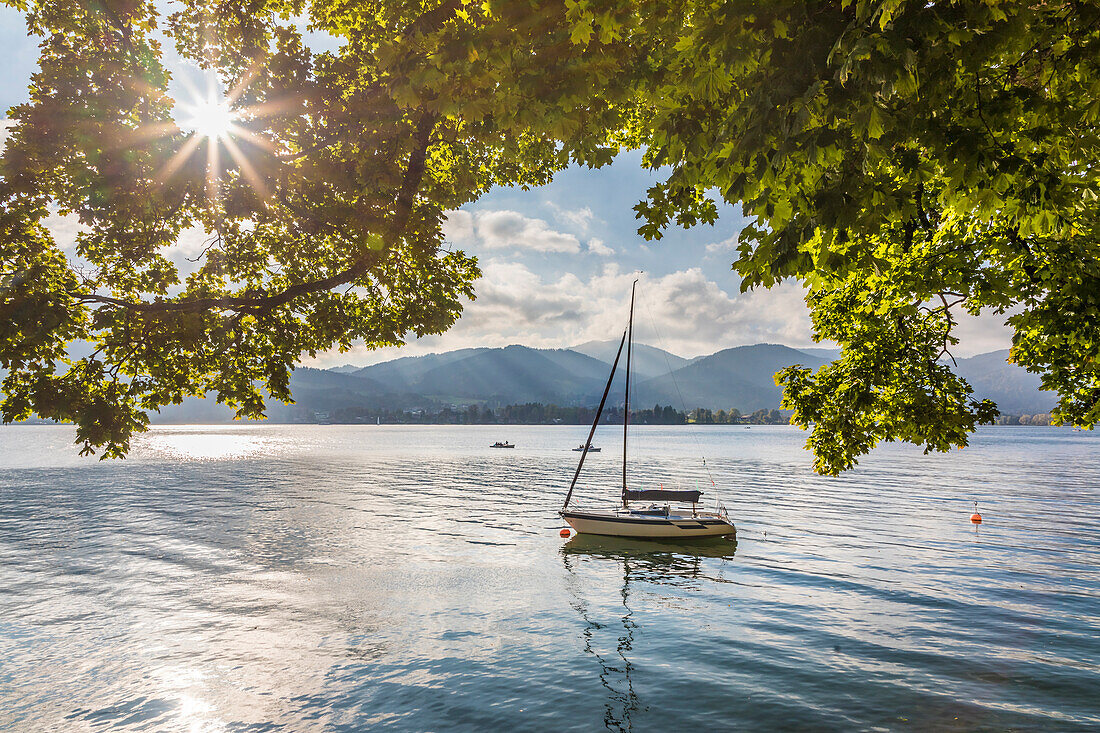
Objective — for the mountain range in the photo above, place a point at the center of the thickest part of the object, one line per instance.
(740, 377)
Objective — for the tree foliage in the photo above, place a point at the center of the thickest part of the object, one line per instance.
(322, 209)
(905, 161)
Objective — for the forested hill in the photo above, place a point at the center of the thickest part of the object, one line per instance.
(742, 378)
(738, 378)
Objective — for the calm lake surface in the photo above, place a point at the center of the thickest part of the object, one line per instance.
(341, 578)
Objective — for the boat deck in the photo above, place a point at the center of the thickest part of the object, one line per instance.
(648, 523)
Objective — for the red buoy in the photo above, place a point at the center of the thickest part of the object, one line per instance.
(976, 518)
(565, 532)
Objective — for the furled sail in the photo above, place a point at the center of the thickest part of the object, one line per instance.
(691, 497)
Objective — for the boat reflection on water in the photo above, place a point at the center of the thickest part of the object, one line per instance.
(643, 562)
(673, 557)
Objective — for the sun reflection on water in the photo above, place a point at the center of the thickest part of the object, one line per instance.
(193, 712)
(204, 443)
(281, 577)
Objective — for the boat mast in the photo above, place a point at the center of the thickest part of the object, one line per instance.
(599, 411)
(626, 401)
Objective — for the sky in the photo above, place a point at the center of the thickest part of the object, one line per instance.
(557, 262)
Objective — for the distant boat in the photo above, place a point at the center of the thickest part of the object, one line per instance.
(505, 444)
(591, 448)
(657, 518)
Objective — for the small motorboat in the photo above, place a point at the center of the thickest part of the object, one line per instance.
(505, 444)
(591, 449)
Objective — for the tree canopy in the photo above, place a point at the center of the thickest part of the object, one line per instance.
(905, 161)
(322, 203)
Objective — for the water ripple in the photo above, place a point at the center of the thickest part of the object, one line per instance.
(337, 578)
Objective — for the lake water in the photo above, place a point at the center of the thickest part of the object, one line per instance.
(341, 578)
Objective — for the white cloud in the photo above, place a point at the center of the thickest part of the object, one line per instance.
(459, 227)
(5, 126)
(725, 245)
(579, 219)
(512, 230)
(597, 247)
(512, 299)
(64, 229)
(504, 229)
(686, 309)
(184, 253)
(981, 334)
(682, 311)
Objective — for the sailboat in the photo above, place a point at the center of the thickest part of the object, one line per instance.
(658, 518)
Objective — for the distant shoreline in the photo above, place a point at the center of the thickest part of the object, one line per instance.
(255, 423)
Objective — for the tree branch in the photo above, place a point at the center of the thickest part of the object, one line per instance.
(920, 207)
(950, 325)
(403, 206)
(434, 19)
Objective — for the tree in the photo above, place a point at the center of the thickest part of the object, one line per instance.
(321, 204)
(905, 161)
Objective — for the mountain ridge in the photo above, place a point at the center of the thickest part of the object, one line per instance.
(740, 377)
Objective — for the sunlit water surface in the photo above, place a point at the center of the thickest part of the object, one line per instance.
(345, 578)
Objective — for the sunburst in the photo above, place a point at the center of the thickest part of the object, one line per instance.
(214, 119)
(211, 118)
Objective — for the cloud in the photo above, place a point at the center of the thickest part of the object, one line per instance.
(513, 230)
(981, 334)
(459, 227)
(699, 317)
(504, 229)
(723, 246)
(597, 247)
(579, 219)
(512, 298)
(5, 126)
(64, 229)
(185, 253)
(681, 311)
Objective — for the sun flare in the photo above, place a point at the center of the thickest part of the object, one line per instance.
(213, 122)
(210, 118)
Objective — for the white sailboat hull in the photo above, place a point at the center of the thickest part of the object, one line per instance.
(626, 524)
(656, 521)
